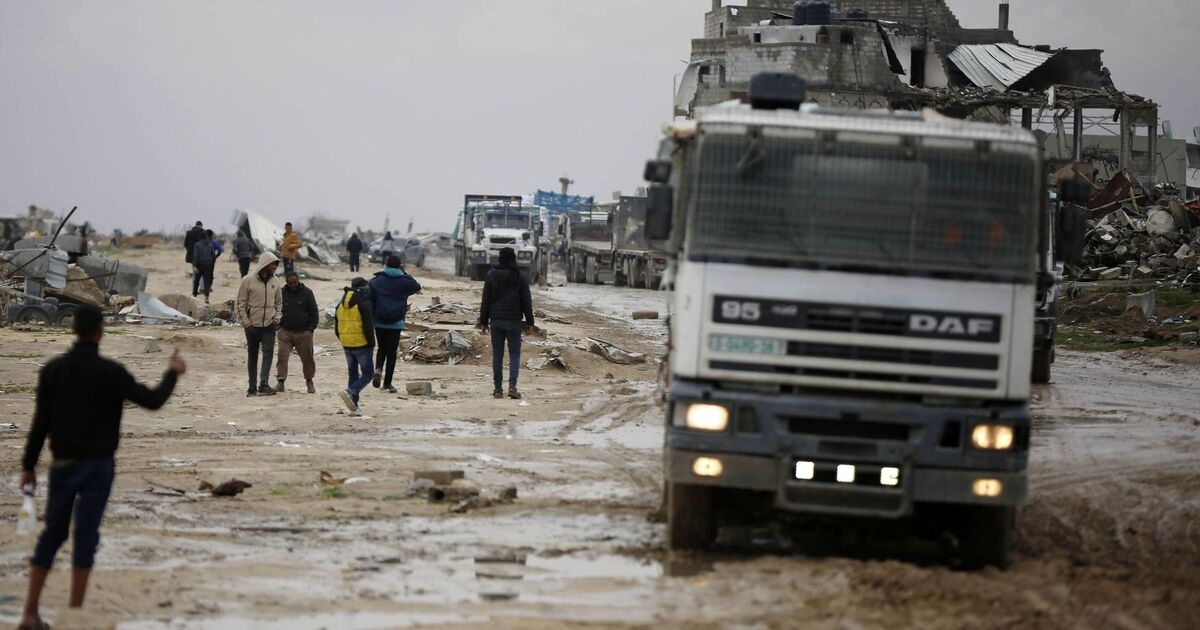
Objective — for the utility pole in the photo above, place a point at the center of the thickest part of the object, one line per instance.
(566, 182)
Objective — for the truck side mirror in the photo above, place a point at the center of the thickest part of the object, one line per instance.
(660, 209)
(657, 171)
(1072, 233)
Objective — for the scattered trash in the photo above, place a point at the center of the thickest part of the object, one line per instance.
(1145, 302)
(152, 347)
(230, 488)
(153, 311)
(613, 353)
(158, 486)
(419, 388)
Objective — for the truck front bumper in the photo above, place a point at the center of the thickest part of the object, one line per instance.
(847, 455)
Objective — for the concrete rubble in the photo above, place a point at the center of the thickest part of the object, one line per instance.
(1154, 235)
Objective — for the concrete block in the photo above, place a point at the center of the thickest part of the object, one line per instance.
(419, 388)
(1111, 273)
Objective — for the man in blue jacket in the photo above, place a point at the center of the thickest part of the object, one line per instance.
(390, 290)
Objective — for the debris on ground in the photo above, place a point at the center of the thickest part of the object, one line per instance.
(439, 477)
(613, 353)
(552, 357)
(637, 315)
(443, 347)
(230, 488)
(327, 479)
(543, 315)
(419, 388)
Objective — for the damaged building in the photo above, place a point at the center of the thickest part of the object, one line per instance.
(909, 54)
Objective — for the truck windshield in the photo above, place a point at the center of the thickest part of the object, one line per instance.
(513, 220)
(931, 208)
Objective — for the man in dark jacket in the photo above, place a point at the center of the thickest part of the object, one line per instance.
(506, 299)
(191, 238)
(204, 261)
(243, 250)
(80, 398)
(354, 325)
(390, 290)
(354, 247)
(296, 327)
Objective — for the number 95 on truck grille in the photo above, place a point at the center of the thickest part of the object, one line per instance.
(747, 345)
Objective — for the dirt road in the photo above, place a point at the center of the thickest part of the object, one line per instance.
(1110, 538)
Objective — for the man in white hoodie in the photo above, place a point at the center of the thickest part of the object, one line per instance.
(259, 308)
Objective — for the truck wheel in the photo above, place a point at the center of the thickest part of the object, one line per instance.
(66, 315)
(478, 272)
(985, 536)
(32, 314)
(592, 273)
(635, 275)
(620, 274)
(691, 517)
(1041, 366)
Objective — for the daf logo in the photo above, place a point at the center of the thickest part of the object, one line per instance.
(951, 326)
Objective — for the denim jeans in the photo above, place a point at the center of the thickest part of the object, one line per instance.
(289, 265)
(506, 332)
(256, 339)
(81, 486)
(358, 364)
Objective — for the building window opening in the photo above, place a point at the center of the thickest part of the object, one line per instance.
(758, 38)
(916, 68)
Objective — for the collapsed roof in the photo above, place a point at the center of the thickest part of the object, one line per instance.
(267, 237)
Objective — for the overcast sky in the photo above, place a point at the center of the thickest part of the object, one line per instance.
(155, 114)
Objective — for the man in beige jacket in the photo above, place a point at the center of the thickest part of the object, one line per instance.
(259, 308)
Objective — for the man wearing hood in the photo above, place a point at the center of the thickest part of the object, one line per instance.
(193, 236)
(390, 290)
(354, 247)
(506, 299)
(289, 248)
(259, 307)
(296, 328)
(354, 325)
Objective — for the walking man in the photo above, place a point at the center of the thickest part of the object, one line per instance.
(80, 399)
(390, 290)
(243, 249)
(354, 246)
(296, 329)
(193, 236)
(204, 261)
(355, 328)
(259, 307)
(387, 248)
(506, 299)
(290, 248)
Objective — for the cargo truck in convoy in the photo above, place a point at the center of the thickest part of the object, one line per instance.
(854, 304)
(489, 223)
(609, 245)
(589, 247)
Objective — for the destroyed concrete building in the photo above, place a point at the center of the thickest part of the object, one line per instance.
(909, 54)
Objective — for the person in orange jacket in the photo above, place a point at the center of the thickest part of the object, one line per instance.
(289, 248)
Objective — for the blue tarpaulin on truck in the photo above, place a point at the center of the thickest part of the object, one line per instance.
(558, 203)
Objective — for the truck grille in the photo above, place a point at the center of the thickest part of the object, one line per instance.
(859, 375)
(894, 355)
(502, 240)
(848, 429)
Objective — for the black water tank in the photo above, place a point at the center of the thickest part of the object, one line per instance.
(820, 13)
(800, 13)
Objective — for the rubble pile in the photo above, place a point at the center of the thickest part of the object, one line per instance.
(1161, 240)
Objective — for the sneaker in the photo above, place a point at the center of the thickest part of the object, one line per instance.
(391, 390)
(377, 379)
(279, 387)
(497, 394)
(514, 394)
(265, 390)
(251, 392)
(312, 389)
(348, 400)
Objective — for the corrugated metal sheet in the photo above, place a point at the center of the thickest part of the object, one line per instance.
(997, 66)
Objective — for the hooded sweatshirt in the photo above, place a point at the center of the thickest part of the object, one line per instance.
(390, 290)
(506, 297)
(259, 302)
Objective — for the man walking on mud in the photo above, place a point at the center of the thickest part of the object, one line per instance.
(243, 250)
(296, 328)
(259, 307)
(80, 399)
(289, 248)
(354, 248)
(390, 290)
(354, 326)
(193, 236)
(506, 299)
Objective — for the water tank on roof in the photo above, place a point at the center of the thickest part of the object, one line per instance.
(820, 13)
(800, 13)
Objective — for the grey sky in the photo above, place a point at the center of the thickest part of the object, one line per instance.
(155, 114)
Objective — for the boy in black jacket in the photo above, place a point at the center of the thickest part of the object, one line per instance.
(506, 299)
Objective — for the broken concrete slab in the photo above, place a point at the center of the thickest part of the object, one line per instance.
(419, 388)
(1111, 273)
(1144, 302)
(613, 353)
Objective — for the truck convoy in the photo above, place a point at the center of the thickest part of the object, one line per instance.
(854, 305)
(610, 246)
(489, 223)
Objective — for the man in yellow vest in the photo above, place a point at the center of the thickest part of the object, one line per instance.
(354, 324)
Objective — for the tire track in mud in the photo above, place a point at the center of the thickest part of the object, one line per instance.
(639, 467)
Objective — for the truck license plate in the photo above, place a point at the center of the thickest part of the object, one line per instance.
(748, 345)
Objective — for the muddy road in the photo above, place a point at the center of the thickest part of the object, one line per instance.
(1111, 537)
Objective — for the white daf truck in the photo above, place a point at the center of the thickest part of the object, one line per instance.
(854, 303)
(489, 223)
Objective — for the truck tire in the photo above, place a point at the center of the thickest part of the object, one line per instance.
(1041, 366)
(66, 315)
(691, 517)
(635, 274)
(985, 535)
(593, 272)
(620, 274)
(32, 314)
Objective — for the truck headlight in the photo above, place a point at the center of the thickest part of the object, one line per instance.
(713, 418)
(524, 255)
(993, 437)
